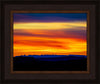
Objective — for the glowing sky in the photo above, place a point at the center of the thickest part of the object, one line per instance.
(50, 33)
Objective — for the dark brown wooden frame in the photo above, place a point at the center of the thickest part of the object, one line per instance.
(92, 78)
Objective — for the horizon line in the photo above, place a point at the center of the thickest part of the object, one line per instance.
(49, 55)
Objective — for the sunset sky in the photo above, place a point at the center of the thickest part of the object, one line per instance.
(49, 33)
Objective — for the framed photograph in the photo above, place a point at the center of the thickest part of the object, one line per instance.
(49, 42)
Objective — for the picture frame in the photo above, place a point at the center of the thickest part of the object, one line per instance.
(71, 78)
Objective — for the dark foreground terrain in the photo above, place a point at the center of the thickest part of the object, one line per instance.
(50, 63)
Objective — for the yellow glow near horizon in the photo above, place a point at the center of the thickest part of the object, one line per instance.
(50, 25)
(68, 46)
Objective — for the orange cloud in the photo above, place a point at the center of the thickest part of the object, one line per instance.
(61, 38)
(47, 45)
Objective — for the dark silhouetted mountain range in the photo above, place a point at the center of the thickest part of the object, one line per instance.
(50, 63)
